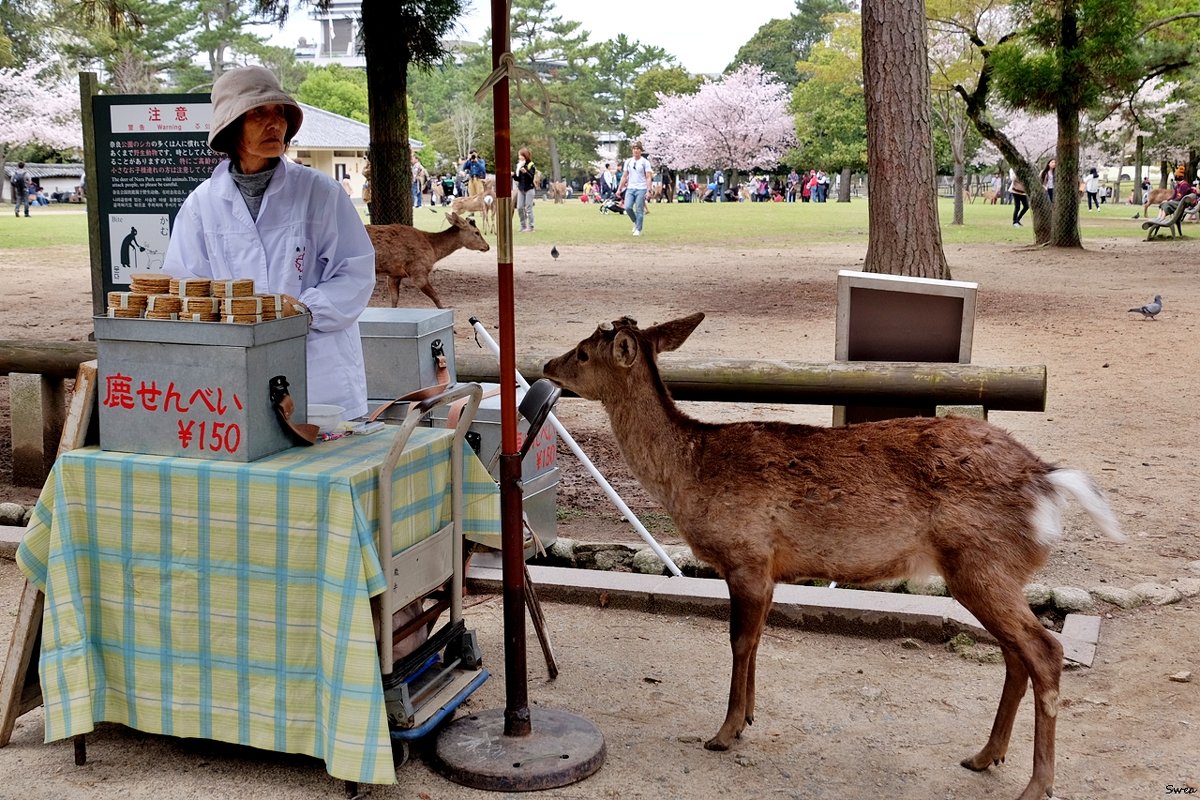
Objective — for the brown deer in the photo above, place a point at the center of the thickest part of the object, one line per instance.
(402, 251)
(483, 204)
(1155, 197)
(771, 501)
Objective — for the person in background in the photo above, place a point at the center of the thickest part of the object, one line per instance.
(20, 189)
(1182, 189)
(293, 230)
(634, 183)
(1048, 178)
(1091, 185)
(524, 176)
(366, 190)
(476, 172)
(1020, 200)
(419, 177)
(346, 186)
(608, 181)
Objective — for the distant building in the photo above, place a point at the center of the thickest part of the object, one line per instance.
(55, 179)
(608, 148)
(335, 145)
(338, 41)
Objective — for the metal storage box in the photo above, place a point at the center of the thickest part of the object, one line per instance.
(197, 389)
(539, 470)
(399, 346)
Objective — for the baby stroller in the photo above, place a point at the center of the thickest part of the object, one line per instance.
(613, 205)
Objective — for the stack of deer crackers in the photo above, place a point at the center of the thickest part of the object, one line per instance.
(154, 295)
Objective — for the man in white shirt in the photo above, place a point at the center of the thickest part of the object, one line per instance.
(608, 182)
(635, 181)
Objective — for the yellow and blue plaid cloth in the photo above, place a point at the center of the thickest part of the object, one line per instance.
(231, 601)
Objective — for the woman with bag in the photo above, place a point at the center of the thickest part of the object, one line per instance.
(1020, 200)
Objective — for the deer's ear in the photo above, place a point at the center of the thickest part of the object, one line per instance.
(625, 348)
(670, 335)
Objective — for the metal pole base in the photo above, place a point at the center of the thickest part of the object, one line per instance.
(561, 749)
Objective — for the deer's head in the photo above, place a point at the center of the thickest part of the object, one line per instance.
(602, 365)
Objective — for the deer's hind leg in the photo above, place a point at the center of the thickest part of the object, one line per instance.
(422, 282)
(1030, 649)
(749, 600)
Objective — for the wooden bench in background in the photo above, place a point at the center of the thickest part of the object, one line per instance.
(1173, 223)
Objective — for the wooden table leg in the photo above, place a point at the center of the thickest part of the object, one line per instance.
(20, 691)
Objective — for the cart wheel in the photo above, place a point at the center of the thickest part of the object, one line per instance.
(400, 753)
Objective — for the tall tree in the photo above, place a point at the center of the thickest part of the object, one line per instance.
(220, 32)
(338, 89)
(21, 23)
(828, 106)
(396, 35)
(741, 122)
(563, 111)
(134, 41)
(1069, 51)
(952, 58)
(37, 107)
(779, 43)
(904, 237)
(617, 65)
(1061, 57)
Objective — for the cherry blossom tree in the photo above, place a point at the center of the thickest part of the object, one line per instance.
(740, 122)
(37, 108)
(1131, 120)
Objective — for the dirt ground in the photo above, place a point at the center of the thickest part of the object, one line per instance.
(841, 717)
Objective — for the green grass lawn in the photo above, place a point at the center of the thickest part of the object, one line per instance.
(672, 224)
(47, 226)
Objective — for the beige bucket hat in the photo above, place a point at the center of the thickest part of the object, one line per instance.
(239, 90)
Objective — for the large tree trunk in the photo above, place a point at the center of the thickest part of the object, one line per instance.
(387, 60)
(1139, 155)
(904, 237)
(844, 186)
(1064, 222)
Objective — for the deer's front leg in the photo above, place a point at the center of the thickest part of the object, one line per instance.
(748, 603)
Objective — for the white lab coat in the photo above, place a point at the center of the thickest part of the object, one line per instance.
(308, 242)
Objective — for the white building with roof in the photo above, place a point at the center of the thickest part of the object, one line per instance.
(335, 145)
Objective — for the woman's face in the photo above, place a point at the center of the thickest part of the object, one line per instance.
(263, 131)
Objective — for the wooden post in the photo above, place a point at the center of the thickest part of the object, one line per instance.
(88, 88)
(20, 689)
(37, 407)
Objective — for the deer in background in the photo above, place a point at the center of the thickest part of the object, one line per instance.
(483, 204)
(402, 251)
(771, 501)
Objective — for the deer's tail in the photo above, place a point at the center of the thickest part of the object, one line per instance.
(1073, 483)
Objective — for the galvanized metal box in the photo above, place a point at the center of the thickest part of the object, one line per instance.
(198, 389)
(400, 346)
(539, 470)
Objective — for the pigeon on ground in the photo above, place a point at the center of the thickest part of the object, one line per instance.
(1150, 310)
(554, 252)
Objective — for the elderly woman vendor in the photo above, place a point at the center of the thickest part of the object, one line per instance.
(290, 228)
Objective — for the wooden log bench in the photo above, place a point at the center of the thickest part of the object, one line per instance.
(1173, 223)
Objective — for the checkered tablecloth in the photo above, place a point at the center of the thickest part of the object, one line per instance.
(230, 601)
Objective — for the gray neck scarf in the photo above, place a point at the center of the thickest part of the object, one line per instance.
(252, 187)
